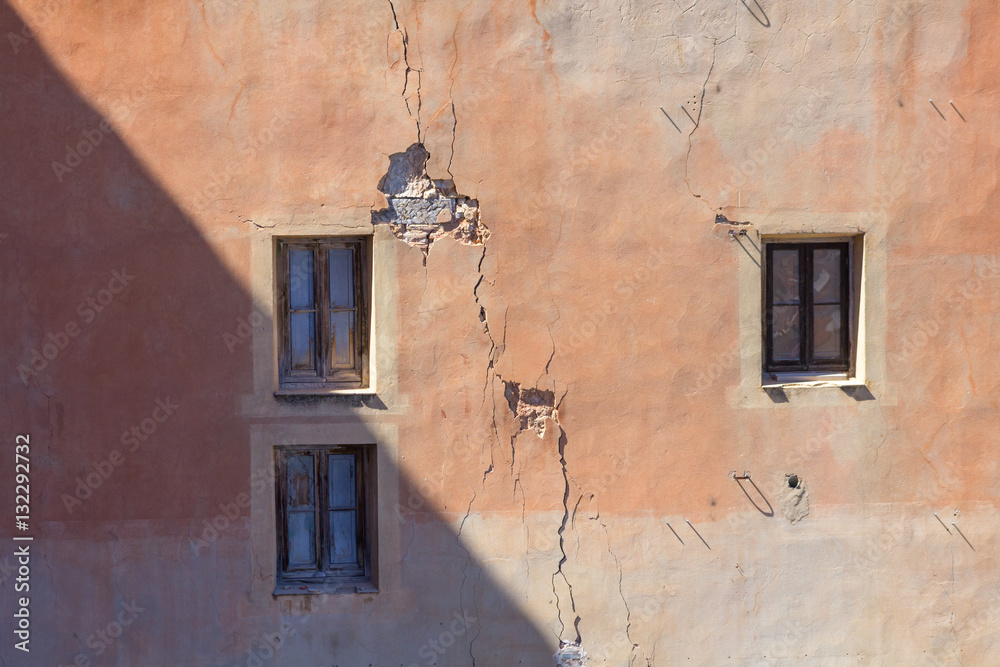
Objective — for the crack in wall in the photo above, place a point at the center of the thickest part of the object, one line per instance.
(261, 576)
(701, 108)
(215, 586)
(533, 410)
(621, 593)
(420, 210)
(465, 576)
(451, 90)
(406, 74)
(562, 545)
(55, 587)
(491, 376)
(493, 355)
(955, 651)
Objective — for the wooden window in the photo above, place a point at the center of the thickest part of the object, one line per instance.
(807, 311)
(326, 516)
(323, 301)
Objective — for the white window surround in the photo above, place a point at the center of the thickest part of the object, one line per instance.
(266, 389)
(756, 388)
(341, 417)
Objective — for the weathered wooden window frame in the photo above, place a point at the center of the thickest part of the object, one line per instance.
(321, 377)
(327, 576)
(806, 363)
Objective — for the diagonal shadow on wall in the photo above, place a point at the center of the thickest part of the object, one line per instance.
(116, 306)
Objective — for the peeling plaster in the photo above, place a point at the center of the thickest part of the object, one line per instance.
(420, 210)
(570, 654)
(535, 409)
(794, 503)
(531, 407)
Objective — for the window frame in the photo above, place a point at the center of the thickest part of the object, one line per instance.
(327, 576)
(321, 377)
(806, 364)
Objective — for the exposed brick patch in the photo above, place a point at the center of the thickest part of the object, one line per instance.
(532, 407)
(420, 210)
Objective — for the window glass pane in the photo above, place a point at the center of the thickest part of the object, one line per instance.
(302, 325)
(341, 473)
(342, 339)
(826, 332)
(342, 278)
(826, 275)
(301, 539)
(785, 276)
(300, 279)
(301, 489)
(785, 338)
(343, 537)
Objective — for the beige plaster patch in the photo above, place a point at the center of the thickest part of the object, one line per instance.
(794, 503)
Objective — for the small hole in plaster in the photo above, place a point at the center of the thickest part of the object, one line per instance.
(793, 481)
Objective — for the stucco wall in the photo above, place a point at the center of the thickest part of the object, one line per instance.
(173, 141)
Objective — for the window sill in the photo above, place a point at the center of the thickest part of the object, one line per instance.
(800, 385)
(326, 391)
(793, 380)
(326, 588)
(804, 381)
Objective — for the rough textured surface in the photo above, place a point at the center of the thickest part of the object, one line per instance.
(170, 141)
(532, 408)
(420, 210)
(794, 501)
(570, 655)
